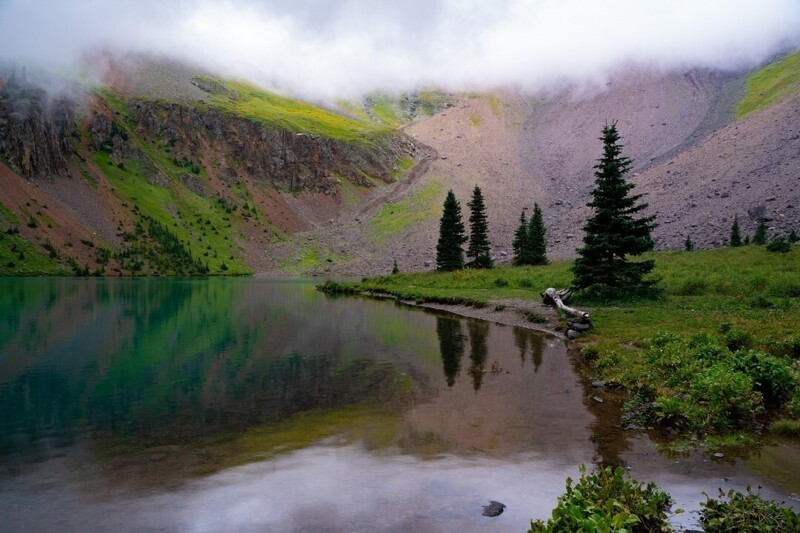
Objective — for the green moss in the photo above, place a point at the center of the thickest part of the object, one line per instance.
(770, 84)
(395, 218)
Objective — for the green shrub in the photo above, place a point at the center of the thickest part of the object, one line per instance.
(737, 339)
(772, 377)
(535, 317)
(608, 500)
(525, 283)
(725, 398)
(744, 513)
(779, 245)
(500, 282)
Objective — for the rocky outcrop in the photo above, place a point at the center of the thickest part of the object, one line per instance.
(35, 129)
(243, 148)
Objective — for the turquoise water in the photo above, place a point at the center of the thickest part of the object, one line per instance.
(245, 404)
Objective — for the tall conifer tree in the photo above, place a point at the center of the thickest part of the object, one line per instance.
(760, 236)
(736, 235)
(536, 237)
(479, 249)
(613, 233)
(520, 244)
(449, 252)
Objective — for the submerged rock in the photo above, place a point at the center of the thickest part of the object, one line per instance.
(493, 509)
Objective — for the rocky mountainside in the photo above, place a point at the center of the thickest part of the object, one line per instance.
(171, 170)
(110, 183)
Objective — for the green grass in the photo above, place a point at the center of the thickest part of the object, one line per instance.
(403, 166)
(200, 224)
(494, 104)
(395, 218)
(19, 257)
(770, 84)
(261, 106)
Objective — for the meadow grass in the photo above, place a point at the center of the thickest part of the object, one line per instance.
(243, 99)
(395, 218)
(770, 84)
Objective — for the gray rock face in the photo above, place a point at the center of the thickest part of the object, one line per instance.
(34, 129)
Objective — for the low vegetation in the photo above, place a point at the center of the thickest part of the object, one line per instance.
(770, 84)
(609, 500)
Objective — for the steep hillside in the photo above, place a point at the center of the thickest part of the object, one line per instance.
(157, 186)
(168, 169)
(696, 164)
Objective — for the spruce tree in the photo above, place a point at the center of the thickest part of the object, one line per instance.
(793, 238)
(449, 254)
(688, 245)
(760, 236)
(520, 244)
(395, 269)
(613, 233)
(479, 248)
(536, 237)
(736, 236)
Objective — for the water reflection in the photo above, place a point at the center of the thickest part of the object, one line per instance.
(528, 341)
(451, 346)
(264, 405)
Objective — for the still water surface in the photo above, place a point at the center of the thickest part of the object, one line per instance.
(253, 405)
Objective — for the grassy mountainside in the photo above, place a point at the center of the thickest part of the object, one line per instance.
(186, 188)
(770, 84)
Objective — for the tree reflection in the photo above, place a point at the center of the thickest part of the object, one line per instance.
(525, 339)
(451, 345)
(478, 334)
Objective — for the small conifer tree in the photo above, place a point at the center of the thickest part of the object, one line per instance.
(520, 243)
(736, 236)
(747, 240)
(793, 238)
(395, 270)
(479, 249)
(449, 252)
(760, 236)
(613, 233)
(688, 245)
(536, 237)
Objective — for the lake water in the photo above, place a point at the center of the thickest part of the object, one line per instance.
(254, 405)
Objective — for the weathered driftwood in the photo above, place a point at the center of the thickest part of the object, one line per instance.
(554, 297)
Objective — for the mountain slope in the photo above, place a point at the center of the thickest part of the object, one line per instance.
(183, 187)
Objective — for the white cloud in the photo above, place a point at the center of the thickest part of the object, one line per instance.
(323, 49)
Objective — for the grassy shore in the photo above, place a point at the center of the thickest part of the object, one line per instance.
(728, 322)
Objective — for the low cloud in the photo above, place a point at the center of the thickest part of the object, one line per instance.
(323, 49)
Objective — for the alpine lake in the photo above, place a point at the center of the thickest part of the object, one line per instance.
(260, 405)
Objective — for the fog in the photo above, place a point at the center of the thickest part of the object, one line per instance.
(318, 48)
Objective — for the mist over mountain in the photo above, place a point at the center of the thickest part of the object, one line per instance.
(317, 49)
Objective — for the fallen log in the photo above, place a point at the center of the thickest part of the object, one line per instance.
(554, 297)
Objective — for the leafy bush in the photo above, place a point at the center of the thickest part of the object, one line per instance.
(500, 282)
(772, 377)
(779, 245)
(746, 513)
(726, 397)
(608, 500)
(525, 283)
(736, 339)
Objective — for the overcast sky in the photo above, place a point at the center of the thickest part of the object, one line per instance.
(325, 48)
